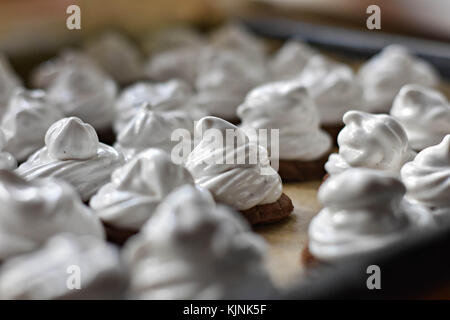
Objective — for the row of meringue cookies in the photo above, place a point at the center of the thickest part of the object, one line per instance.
(378, 190)
(53, 247)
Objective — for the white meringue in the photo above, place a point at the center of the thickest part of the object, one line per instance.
(177, 63)
(85, 93)
(427, 180)
(242, 184)
(237, 38)
(9, 81)
(154, 129)
(387, 72)
(34, 211)
(191, 249)
(286, 106)
(72, 152)
(333, 87)
(7, 160)
(46, 73)
(224, 79)
(375, 141)
(46, 273)
(290, 60)
(424, 113)
(137, 188)
(170, 95)
(28, 116)
(117, 55)
(181, 36)
(362, 212)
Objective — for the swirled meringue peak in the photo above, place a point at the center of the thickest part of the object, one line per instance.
(7, 160)
(46, 73)
(375, 141)
(387, 72)
(36, 210)
(180, 36)
(224, 79)
(290, 60)
(85, 93)
(73, 153)
(171, 95)
(137, 188)
(424, 113)
(154, 129)
(118, 56)
(427, 179)
(361, 212)
(191, 249)
(236, 171)
(237, 38)
(45, 274)
(9, 81)
(28, 116)
(286, 106)
(333, 87)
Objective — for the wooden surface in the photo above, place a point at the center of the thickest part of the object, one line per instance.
(286, 239)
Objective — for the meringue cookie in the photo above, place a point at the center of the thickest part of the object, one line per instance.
(286, 106)
(45, 274)
(85, 93)
(424, 113)
(177, 63)
(171, 95)
(333, 87)
(137, 188)
(223, 80)
(46, 73)
(118, 56)
(387, 72)
(191, 249)
(239, 185)
(173, 38)
(290, 60)
(375, 141)
(28, 116)
(153, 129)
(237, 38)
(362, 212)
(9, 81)
(34, 211)
(427, 180)
(7, 160)
(73, 153)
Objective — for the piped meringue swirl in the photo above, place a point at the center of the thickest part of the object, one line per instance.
(9, 82)
(191, 249)
(72, 152)
(7, 160)
(44, 274)
(34, 211)
(361, 212)
(241, 184)
(370, 141)
(137, 188)
(424, 113)
(333, 87)
(387, 72)
(286, 106)
(154, 129)
(28, 116)
(427, 179)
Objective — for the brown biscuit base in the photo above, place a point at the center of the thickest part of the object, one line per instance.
(333, 130)
(307, 259)
(271, 212)
(118, 235)
(299, 171)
